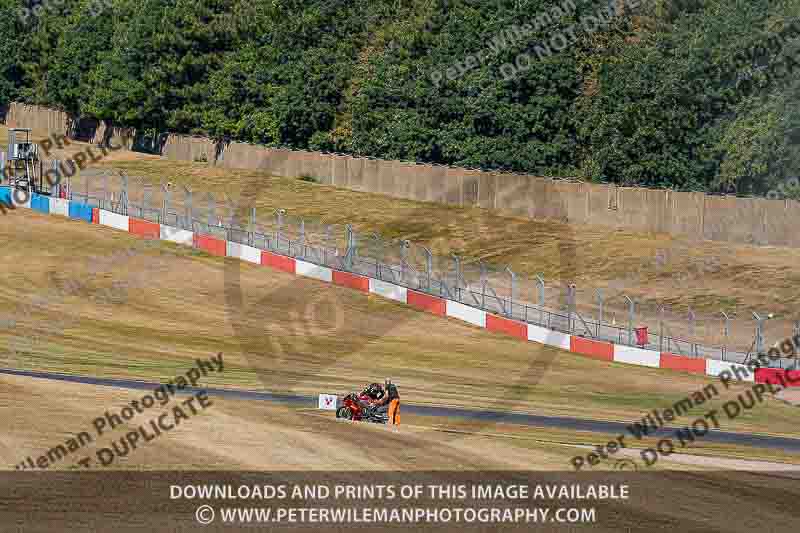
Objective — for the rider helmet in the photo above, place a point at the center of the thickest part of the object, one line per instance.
(374, 391)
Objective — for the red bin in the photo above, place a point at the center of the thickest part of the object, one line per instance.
(641, 336)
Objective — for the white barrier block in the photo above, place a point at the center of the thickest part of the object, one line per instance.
(636, 356)
(548, 337)
(114, 220)
(715, 368)
(179, 236)
(388, 290)
(310, 270)
(328, 402)
(60, 206)
(466, 313)
(243, 252)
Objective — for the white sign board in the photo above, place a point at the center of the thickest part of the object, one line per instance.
(328, 401)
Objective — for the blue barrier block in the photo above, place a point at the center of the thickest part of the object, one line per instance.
(5, 195)
(40, 203)
(81, 211)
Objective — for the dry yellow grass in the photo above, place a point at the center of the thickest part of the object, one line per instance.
(293, 334)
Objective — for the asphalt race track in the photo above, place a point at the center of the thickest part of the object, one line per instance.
(578, 424)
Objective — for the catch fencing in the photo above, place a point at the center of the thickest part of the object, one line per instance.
(556, 306)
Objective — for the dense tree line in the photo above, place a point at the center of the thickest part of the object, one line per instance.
(689, 94)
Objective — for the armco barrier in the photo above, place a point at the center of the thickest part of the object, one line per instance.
(466, 313)
(507, 326)
(636, 356)
(426, 302)
(549, 337)
(144, 228)
(243, 252)
(40, 203)
(80, 211)
(353, 281)
(279, 262)
(388, 290)
(178, 236)
(778, 376)
(310, 270)
(693, 365)
(210, 244)
(715, 368)
(114, 220)
(59, 206)
(594, 349)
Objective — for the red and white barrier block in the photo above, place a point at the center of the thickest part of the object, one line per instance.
(388, 290)
(178, 236)
(243, 252)
(310, 270)
(549, 337)
(468, 314)
(636, 356)
(114, 220)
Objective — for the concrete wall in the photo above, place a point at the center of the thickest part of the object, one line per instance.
(693, 215)
(39, 118)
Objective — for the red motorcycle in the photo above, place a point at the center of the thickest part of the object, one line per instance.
(354, 407)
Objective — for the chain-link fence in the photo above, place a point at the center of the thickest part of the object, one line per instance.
(562, 307)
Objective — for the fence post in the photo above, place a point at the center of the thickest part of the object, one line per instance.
(725, 332)
(599, 293)
(189, 217)
(693, 347)
(104, 202)
(570, 306)
(251, 227)
(631, 318)
(540, 287)
(759, 340)
(661, 311)
(406, 244)
(123, 197)
(279, 213)
(232, 221)
(351, 244)
(513, 291)
(796, 332)
(429, 267)
(165, 192)
(457, 261)
(484, 282)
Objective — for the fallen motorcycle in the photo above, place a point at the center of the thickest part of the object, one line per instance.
(355, 407)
